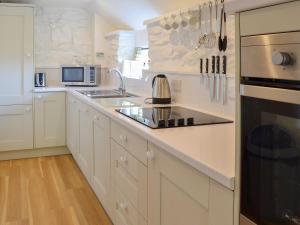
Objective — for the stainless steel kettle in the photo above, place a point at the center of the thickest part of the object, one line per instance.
(161, 93)
(40, 80)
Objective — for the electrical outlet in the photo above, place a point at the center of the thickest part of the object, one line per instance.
(99, 54)
(176, 85)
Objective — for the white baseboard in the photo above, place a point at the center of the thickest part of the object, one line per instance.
(32, 153)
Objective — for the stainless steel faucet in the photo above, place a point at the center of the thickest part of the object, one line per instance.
(122, 88)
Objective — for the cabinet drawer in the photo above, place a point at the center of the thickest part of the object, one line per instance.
(135, 144)
(126, 212)
(130, 177)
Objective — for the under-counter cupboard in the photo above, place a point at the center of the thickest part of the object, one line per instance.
(49, 119)
(88, 139)
(137, 182)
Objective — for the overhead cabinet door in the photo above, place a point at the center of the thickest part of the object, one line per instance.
(16, 55)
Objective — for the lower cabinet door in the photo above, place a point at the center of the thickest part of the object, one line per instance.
(177, 194)
(72, 125)
(50, 119)
(16, 127)
(84, 158)
(101, 159)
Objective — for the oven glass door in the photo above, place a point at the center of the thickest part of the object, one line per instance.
(73, 74)
(270, 192)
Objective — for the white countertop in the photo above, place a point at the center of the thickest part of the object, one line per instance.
(209, 149)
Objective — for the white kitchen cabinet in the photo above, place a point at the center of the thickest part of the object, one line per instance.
(84, 158)
(72, 124)
(16, 127)
(273, 19)
(179, 194)
(129, 186)
(50, 119)
(16, 55)
(101, 159)
(132, 142)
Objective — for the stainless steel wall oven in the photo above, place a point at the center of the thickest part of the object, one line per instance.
(270, 129)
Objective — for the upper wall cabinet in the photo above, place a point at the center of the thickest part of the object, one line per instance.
(16, 55)
(50, 119)
(279, 18)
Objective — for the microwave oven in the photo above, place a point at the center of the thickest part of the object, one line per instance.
(80, 75)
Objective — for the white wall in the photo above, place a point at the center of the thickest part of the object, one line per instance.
(101, 28)
(63, 36)
(68, 36)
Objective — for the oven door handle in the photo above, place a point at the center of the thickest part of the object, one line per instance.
(270, 93)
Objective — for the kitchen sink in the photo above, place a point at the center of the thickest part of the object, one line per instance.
(116, 102)
(107, 94)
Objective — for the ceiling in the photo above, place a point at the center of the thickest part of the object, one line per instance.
(130, 14)
(123, 13)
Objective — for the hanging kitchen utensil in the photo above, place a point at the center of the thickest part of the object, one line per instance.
(200, 40)
(193, 19)
(212, 78)
(220, 40)
(175, 24)
(212, 34)
(183, 20)
(201, 71)
(218, 78)
(224, 41)
(217, 27)
(204, 19)
(224, 80)
(207, 73)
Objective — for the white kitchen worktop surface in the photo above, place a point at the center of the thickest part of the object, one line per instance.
(209, 149)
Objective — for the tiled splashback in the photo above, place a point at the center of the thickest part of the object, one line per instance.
(63, 36)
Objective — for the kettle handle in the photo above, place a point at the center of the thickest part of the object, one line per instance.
(153, 80)
(159, 75)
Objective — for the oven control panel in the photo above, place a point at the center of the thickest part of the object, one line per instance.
(271, 56)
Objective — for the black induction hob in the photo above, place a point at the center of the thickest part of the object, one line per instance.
(168, 117)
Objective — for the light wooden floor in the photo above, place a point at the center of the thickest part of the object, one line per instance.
(47, 191)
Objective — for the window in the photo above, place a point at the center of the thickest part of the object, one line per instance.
(134, 68)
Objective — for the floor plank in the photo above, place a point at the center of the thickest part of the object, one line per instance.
(47, 191)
